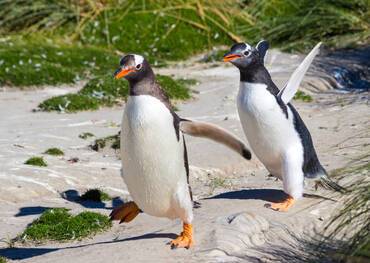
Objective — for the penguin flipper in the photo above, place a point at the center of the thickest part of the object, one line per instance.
(215, 133)
(291, 87)
(262, 48)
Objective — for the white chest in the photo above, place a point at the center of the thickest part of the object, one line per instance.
(266, 127)
(152, 156)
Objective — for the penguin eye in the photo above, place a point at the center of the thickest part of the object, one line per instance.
(138, 66)
(246, 53)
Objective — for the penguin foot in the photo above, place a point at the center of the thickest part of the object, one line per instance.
(125, 213)
(185, 239)
(283, 206)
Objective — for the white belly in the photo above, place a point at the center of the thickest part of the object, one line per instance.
(153, 158)
(266, 127)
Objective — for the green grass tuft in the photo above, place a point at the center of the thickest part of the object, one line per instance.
(26, 63)
(300, 95)
(95, 195)
(54, 151)
(352, 220)
(106, 91)
(36, 161)
(2, 259)
(113, 141)
(86, 135)
(58, 225)
(70, 103)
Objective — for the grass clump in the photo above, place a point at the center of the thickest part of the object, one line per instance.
(2, 259)
(112, 141)
(302, 96)
(351, 222)
(58, 225)
(34, 62)
(70, 103)
(36, 161)
(95, 195)
(106, 91)
(86, 135)
(54, 151)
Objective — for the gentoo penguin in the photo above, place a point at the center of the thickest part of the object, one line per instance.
(273, 127)
(153, 151)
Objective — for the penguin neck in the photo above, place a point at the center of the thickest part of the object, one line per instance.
(258, 74)
(147, 85)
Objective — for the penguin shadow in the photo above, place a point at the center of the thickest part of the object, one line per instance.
(20, 253)
(31, 210)
(268, 195)
(74, 196)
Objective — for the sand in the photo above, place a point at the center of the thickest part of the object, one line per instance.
(232, 224)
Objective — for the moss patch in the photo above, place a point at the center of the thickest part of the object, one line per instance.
(59, 225)
(112, 141)
(36, 161)
(86, 135)
(54, 151)
(300, 95)
(25, 63)
(106, 91)
(95, 195)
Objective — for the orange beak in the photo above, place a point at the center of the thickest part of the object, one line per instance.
(120, 73)
(231, 57)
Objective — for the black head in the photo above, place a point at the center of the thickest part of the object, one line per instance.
(243, 55)
(133, 68)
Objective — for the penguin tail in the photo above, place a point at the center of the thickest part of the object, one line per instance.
(325, 182)
(215, 133)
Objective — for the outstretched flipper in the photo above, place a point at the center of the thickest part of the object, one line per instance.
(288, 92)
(215, 133)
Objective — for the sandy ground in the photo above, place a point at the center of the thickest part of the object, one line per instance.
(232, 223)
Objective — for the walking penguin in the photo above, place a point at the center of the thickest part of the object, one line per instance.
(273, 127)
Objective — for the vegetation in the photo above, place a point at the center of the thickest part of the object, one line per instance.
(25, 62)
(73, 40)
(106, 91)
(218, 182)
(36, 161)
(95, 195)
(300, 95)
(112, 141)
(2, 259)
(351, 223)
(59, 225)
(54, 151)
(86, 135)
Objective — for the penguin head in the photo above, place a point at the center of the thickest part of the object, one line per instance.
(243, 55)
(132, 67)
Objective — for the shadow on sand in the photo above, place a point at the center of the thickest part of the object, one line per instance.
(31, 210)
(28, 252)
(268, 195)
(73, 196)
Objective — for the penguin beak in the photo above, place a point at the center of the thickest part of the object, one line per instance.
(230, 57)
(121, 72)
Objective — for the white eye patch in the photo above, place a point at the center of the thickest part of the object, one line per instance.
(138, 59)
(248, 49)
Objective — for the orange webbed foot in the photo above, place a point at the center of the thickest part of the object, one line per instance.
(283, 206)
(185, 239)
(125, 213)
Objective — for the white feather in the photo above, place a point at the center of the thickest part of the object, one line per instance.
(288, 92)
(138, 59)
(271, 135)
(153, 159)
